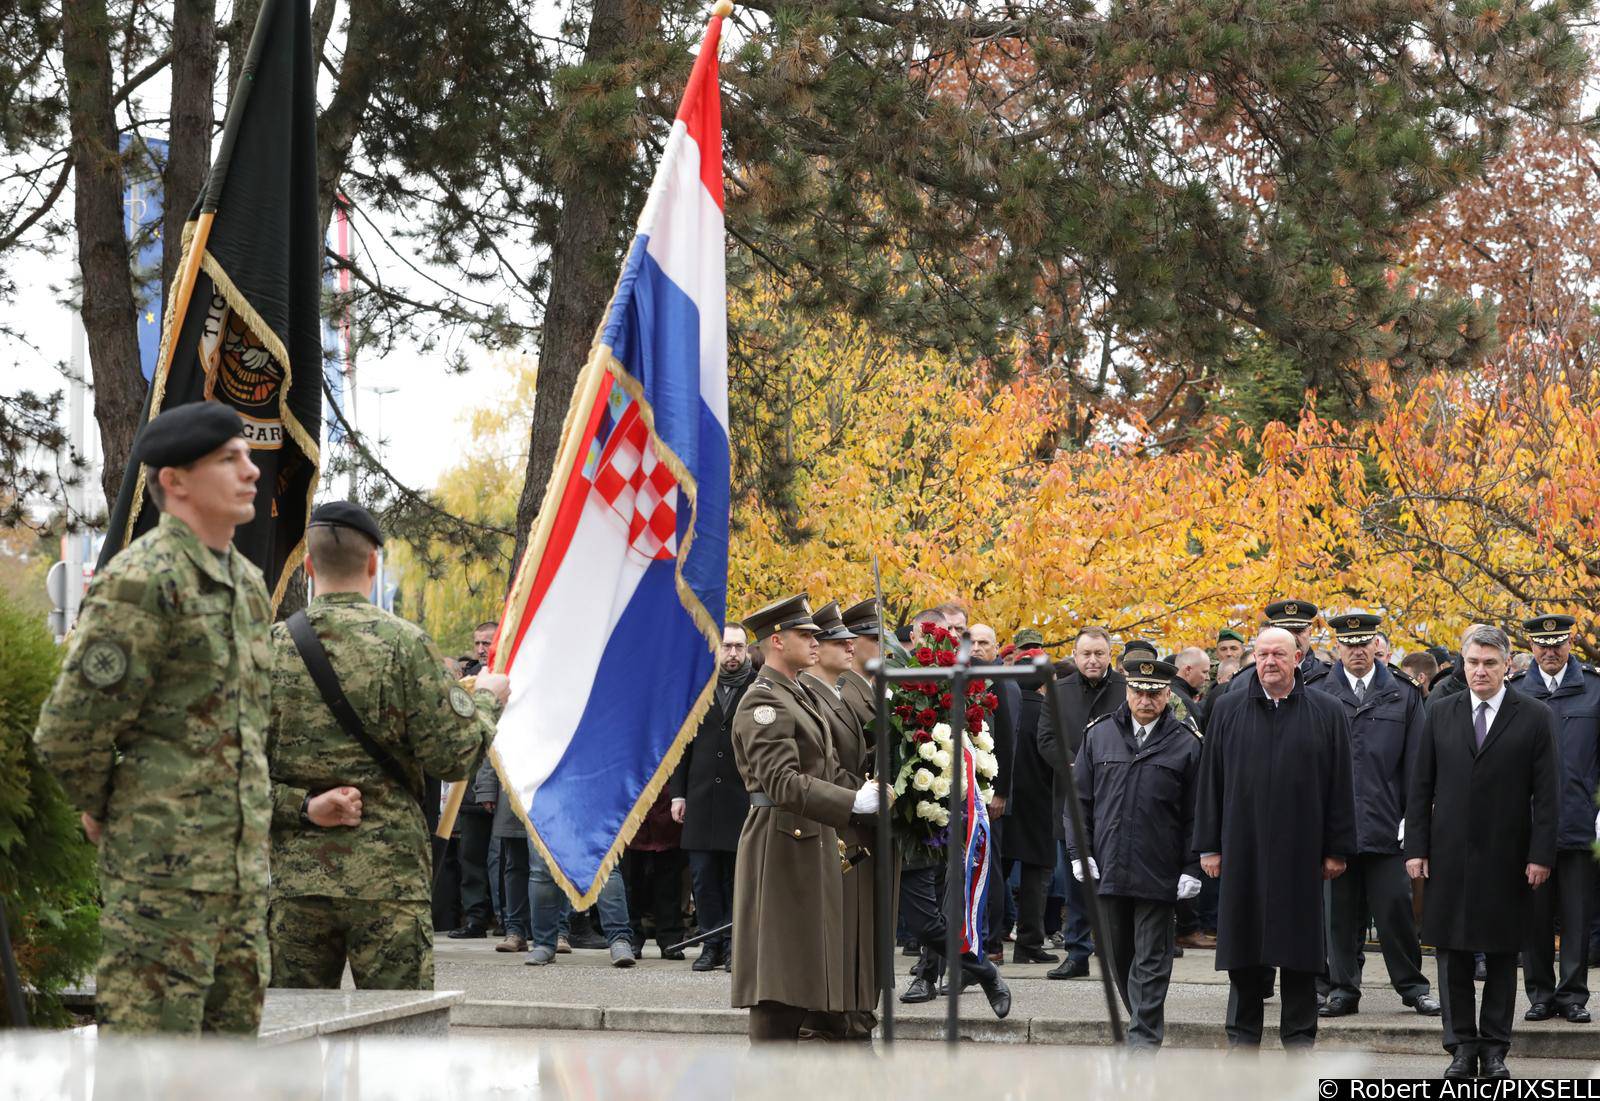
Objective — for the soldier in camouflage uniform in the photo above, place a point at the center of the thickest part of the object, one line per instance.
(350, 851)
(156, 728)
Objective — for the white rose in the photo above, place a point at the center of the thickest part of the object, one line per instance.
(927, 810)
(926, 751)
(984, 742)
(942, 818)
(922, 780)
(942, 759)
(941, 788)
(941, 731)
(988, 764)
(986, 794)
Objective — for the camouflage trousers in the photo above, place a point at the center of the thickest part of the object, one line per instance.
(180, 961)
(389, 944)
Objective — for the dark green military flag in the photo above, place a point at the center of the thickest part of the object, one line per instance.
(242, 319)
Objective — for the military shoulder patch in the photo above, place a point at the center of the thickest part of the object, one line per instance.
(1401, 675)
(1098, 719)
(104, 663)
(764, 715)
(461, 703)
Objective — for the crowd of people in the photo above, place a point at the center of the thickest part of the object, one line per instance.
(262, 797)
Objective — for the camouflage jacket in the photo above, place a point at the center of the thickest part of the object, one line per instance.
(396, 680)
(157, 724)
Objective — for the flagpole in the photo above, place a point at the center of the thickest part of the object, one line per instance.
(186, 281)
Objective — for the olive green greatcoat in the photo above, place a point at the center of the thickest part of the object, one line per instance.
(855, 762)
(856, 691)
(788, 905)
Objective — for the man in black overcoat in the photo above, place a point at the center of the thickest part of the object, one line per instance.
(1276, 814)
(1481, 829)
(1029, 837)
(709, 798)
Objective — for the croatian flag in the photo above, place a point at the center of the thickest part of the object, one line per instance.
(974, 911)
(616, 613)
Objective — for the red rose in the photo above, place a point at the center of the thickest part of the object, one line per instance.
(944, 634)
(945, 700)
(991, 701)
(905, 710)
(975, 717)
(946, 657)
(925, 655)
(922, 736)
(927, 717)
(976, 687)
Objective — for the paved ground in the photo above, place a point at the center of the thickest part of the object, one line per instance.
(582, 990)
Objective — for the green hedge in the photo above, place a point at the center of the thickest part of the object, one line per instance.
(47, 867)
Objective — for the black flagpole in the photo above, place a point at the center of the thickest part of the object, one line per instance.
(955, 893)
(888, 862)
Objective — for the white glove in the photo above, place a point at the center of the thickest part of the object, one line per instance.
(1077, 869)
(1402, 837)
(1188, 887)
(866, 799)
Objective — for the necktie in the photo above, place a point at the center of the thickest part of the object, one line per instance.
(1554, 684)
(1480, 723)
(1361, 690)
(1144, 732)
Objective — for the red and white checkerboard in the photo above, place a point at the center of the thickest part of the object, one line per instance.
(639, 488)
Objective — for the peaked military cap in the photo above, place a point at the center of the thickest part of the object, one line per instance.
(1028, 639)
(1355, 628)
(1291, 614)
(187, 433)
(862, 618)
(831, 623)
(1549, 629)
(790, 613)
(1137, 646)
(1148, 673)
(346, 514)
(1228, 634)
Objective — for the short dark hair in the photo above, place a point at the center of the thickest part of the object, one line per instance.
(487, 625)
(1421, 665)
(338, 553)
(1093, 632)
(950, 608)
(934, 614)
(152, 486)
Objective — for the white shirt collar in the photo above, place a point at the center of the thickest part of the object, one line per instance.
(1355, 681)
(1494, 703)
(1553, 682)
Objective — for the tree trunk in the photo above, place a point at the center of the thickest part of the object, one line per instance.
(194, 73)
(582, 263)
(108, 308)
(341, 119)
(240, 30)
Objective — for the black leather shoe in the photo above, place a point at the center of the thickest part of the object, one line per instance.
(727, 960)
(469, 932)
(710, 959)
(999, 995)
(1426, 1006)
(1538, 1011)
(920, 990)
(1577, 1014)
(1463, 1067)
(1033, 955)
(944, 985)
(1339, 1007)
(673, 953)
(1069, 968)
(1493, 1065)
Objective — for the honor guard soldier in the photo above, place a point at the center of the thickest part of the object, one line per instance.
(1572, 692)
(856, 685)
(1385, 717)
(1136, 776)
(835, 652)
(788, 904)
(362, 707)
(157, 729)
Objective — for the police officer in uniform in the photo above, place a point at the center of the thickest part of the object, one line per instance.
(1572, 692)
(1385, 716)
(157, 728)
(835, 650)
(1136, 777)
(350, 851)
(788, 891)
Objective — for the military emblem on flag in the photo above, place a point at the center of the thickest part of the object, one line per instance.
(612, 626)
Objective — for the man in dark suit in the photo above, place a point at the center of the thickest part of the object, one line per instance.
(1481, 829)
(709, 798)
(1572, 692)
(1092, 689)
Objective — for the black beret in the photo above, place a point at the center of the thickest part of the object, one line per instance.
(346, 514)
(186, 433)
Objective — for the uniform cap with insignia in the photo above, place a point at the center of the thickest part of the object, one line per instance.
(790, 613)
(1149, 674)
(862, 618)
(187, 433)
(1356, 628)
(1028, 639)
(1228, 634)
(1291, 614)
(830, 622)
(1137, 647)
(1549, 629)
(346, 514)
